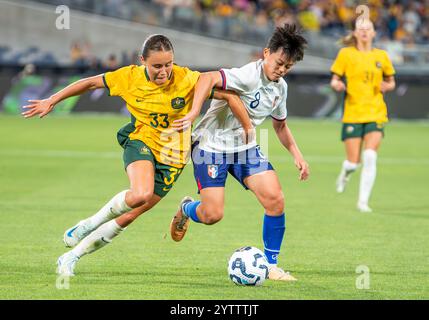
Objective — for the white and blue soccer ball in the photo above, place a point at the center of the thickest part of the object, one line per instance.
(248, 266)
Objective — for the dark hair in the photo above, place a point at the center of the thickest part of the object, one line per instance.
(289, 39)
(156, 42)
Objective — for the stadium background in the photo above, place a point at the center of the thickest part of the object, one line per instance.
(40, 161)
(105, 35)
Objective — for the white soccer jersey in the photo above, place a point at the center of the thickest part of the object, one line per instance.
(219, 130)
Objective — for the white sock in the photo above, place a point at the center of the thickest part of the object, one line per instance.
(114, 208)
(98, 238)
(349, 167)
(367, 179)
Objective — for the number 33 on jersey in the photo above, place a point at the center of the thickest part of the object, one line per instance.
(153, 108)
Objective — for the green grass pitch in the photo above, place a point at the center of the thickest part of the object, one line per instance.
(59, 170)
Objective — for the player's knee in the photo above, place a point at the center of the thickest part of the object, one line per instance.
(274, 202)
(212, 215)
(139, 198)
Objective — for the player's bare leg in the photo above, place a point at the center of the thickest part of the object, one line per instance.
(140, 195)
(353, 147)
(141, 177)
(100, 237)
(211, 209)
(208, 211)
(372, 141)
(268, 191)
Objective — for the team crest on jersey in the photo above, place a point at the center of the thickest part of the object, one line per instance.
(178, 103)
(212, 170)
(378, 64)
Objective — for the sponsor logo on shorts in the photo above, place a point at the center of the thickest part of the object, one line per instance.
(380, 126)
(144, 150)
(261, 156)
(350, 129)
(212, 170)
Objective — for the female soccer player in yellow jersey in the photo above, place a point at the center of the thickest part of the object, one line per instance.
(156, 94)
(368, 74)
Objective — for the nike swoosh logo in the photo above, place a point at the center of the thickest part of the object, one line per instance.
(70, 232)
(104, 240)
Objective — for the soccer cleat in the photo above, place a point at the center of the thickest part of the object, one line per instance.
(180, 222)
(279, 274)
(66, 264)
(342, 181)
(363, 207)
(75, 234)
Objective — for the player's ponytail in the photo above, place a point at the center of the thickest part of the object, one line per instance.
(156, 42)
(350, 40)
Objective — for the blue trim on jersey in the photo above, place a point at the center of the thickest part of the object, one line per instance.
(211, 169)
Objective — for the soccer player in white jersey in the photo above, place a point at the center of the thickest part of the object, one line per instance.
(218, 147)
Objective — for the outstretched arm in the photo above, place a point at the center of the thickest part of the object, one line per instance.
(287, 139)
(43, 107)
(206, 82)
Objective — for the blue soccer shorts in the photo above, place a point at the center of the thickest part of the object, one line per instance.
(211, 169)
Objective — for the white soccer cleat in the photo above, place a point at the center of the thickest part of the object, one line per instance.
(342, 182)
(66, 264)
(76, 233)
(363, 207)
(278, 274)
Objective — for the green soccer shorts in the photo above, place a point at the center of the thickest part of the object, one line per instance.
(359, 130)
(165, 175)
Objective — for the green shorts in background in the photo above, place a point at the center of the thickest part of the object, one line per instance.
(165, 175)
(359, 130)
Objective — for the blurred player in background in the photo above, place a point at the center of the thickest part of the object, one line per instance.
(218, 149)
(368, 74)
(156, 93)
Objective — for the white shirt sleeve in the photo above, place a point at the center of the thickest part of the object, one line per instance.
(280, 110)
(240, 80)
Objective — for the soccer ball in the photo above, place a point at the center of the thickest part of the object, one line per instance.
(248, 266)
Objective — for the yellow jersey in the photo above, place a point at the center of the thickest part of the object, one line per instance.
(154, 107)
(364, 72)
